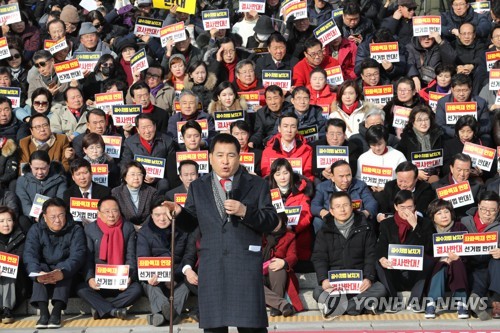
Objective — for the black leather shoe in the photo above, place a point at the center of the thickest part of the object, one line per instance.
(275, 312)
(120, 313)
(288, 310)
(42, 323)
(7, 317)
(54, 322)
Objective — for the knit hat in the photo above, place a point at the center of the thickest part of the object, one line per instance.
(70, 14)
(124, 42)
(87, 28)
(176, 56)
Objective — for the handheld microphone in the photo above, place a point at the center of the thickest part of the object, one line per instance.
(228, 187)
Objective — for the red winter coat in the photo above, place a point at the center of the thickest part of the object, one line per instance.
(302, 70)
(324, 97)
(303, 231)
(347, 58)
(301, 150)
(285, 249)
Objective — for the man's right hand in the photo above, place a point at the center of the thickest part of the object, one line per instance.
(93, 284)
(397, 15)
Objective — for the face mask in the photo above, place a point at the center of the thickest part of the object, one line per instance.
(263, 37)
(107, 70)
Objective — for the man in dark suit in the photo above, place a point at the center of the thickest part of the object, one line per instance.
(232, 224)
(460, 168)
(83, 186)
(406, 179)
(188, 172)
(148, 142)
(276, 59)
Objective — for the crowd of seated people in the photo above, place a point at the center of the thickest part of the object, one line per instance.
(361, 154)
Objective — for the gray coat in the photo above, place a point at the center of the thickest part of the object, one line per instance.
(147, 195)
(27, 186)
(231, 291)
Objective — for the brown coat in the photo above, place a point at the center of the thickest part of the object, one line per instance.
(56, 152)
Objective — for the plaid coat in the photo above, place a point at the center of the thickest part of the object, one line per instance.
(231, 290)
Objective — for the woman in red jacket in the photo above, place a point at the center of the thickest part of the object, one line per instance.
(280, 256)
(295, 191)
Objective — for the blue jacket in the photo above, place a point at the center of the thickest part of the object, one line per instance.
(358, 190)
(45, 250)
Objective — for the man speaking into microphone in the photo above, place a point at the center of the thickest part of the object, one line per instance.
(232, 217)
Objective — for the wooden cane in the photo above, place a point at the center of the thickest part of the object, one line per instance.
(172, 254)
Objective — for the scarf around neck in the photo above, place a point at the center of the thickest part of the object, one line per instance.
(442, 230)
(350, 109)
(403, 227)
(480, 226)
(111, 250)
(345, 227)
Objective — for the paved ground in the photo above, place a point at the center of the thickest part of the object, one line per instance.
(310, 321)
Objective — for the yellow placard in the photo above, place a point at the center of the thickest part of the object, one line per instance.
(184, 6)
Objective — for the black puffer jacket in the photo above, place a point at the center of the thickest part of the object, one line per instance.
(46, 250)
(15, 245)
(333, 251)
(155, 242)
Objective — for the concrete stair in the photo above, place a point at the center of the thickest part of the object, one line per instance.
(76, 306)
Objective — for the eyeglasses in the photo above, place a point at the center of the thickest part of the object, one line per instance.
(458, 5)
(422, 120)
(40, 103)
(370, 76)
(461, 91)
(344, 206)
(488, 211)
(152, 76)
(106, 64)
(497, 37)
(229, 52)
(412, 9)
(40, 127)
(404, 90)
(14, 56)
(98, 25)
(41, 64)
(315, 54)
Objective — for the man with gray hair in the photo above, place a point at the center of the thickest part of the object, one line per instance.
(188, 102)
(373, 116)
